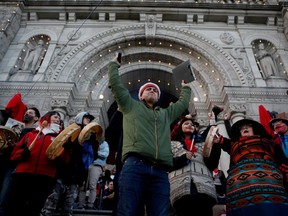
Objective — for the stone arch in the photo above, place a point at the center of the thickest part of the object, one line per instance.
(89, 59)
(31, 56)
(86, 65)
(89, 78)
(53, 36)
(274, 40)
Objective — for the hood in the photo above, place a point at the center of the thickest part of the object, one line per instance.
(79, 117)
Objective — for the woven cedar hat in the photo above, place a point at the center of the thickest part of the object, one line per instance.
(257, 128)
(146, 85)
(280, 117)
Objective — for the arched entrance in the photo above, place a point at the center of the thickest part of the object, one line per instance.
(150, 58)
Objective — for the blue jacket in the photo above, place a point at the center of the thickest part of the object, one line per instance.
(102, 154)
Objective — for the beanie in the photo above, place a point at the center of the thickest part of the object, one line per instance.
(146, 85)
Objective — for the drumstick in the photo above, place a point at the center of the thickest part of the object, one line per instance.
(192, 143)
(44, 124)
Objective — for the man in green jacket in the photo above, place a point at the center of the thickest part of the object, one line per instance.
(147, 153)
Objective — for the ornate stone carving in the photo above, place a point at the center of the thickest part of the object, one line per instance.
(286, 24)
(266, 62)
(196, 42)
(60, 52)
(31, 56)
(58, 102)
(238, 107)
(34, 57)
(74, 35)
(150, 26)
(226, 38)
(240, 56)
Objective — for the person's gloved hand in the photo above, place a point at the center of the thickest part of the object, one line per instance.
(218, 138)
(26, 153)
(211, 118)
(68, 145)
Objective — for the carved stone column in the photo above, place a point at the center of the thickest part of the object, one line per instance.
(286, 24)
(236, 116)
(60, 105)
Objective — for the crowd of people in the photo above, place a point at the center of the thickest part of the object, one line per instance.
(34, 184)
(162, 169)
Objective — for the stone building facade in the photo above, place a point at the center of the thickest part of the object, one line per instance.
(56, 52)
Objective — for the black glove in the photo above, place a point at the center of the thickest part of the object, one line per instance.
(26, 153)
(68, 145)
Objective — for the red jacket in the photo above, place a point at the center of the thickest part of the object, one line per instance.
(37, 162)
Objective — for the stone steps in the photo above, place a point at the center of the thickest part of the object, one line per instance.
(78, 212)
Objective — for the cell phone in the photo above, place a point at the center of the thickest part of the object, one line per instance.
(119, 57)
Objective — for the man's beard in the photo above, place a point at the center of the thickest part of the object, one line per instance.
(28, 119)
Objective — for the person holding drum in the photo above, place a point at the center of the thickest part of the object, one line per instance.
(35, 174)
(31, 116)
(254, 182)
(95, 170)
(8, 140)
(196, 193)
(71, 174)
(94, 156)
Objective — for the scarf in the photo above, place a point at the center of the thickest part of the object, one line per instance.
(54, 128)
(189, 143)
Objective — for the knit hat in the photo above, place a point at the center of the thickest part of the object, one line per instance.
(146, 85)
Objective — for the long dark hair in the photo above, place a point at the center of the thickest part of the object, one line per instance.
(47, 117)
(180, 135)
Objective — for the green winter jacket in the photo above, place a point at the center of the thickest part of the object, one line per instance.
(146, 131)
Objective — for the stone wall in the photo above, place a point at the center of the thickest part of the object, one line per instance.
(80, 39)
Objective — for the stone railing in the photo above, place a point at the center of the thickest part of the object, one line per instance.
(252, 2)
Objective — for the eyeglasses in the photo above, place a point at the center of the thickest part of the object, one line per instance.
(151, 88)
